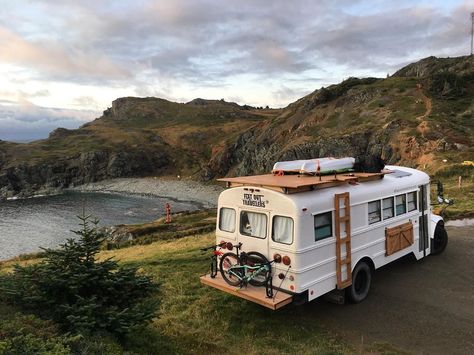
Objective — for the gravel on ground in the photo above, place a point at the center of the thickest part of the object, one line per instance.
(179, 189)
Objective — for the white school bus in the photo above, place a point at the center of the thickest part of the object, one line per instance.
(331, 231)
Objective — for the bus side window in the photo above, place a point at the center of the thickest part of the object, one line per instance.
(411, 197)
(374, 212)
(387, 207)
(401, 206)
(323, 226)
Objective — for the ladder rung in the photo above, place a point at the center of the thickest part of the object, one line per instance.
(344, 284)
(344, 240)
(343, 219)
(345, 261)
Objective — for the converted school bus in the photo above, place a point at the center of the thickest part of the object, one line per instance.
(335, 229)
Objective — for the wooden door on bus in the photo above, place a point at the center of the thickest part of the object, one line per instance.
(423, 219)
(254, 230)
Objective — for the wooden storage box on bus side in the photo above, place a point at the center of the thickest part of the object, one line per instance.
(398, 238)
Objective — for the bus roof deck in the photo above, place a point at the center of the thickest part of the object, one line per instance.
(298, 183)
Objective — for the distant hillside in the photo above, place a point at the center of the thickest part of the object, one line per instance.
(417, 117)
(134, 137)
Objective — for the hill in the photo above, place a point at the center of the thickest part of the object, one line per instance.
(134, 137)
(419, 117)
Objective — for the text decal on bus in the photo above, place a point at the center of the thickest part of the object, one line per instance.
(253, 200)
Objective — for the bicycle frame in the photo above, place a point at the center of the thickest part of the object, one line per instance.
(254, 271)
(215, 253)
(250, 272)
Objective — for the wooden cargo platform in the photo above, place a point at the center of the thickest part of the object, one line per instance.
(250, 293)
(298, 183)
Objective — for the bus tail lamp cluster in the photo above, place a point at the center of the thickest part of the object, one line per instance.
(278, 259)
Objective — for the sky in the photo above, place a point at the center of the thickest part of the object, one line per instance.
(63, 62)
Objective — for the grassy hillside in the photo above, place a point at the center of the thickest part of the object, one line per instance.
(193, 319)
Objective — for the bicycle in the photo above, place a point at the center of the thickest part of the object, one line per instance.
(215, 253)
(240, 269)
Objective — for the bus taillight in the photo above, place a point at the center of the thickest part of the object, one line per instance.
(277, 258)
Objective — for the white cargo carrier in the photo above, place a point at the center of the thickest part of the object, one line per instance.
(331, 231)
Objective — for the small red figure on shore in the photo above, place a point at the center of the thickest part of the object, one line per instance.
(168, 212)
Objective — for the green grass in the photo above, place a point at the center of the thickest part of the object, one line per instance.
(193, 318)
(463, 196)
(199, 319)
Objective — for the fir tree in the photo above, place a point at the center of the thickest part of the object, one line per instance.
(81, 293)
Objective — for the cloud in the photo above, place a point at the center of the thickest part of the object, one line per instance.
(51, 58)
(23, 120)
(180, 48)
(385, 39)
(287, 94)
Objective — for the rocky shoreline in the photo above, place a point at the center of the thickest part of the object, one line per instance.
(177, 189)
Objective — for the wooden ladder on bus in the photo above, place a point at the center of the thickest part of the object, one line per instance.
(343, 261)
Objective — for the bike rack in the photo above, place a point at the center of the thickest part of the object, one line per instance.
(251, 293)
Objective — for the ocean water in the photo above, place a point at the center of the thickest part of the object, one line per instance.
(28, 224)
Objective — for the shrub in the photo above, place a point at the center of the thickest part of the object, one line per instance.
(446, 85)
(79, 292)
(26, 334)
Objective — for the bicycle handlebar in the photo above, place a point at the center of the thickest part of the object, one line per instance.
(221, 245)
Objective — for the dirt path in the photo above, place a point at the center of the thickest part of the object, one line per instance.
(423, 307)
(428, 106)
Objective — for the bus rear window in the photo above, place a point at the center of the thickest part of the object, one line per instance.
(282, 231)
(227, 220)
(253, 224)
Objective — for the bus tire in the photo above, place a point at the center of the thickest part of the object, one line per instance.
(440, 240)
(254, 257)
(361, 281)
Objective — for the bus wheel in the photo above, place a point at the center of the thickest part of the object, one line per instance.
(440, 240)
(361, 280)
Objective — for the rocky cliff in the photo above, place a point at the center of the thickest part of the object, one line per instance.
(420, 116)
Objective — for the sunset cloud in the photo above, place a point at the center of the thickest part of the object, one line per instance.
(82, 54)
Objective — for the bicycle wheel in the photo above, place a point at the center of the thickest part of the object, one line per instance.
(261, 275)
(230, 262)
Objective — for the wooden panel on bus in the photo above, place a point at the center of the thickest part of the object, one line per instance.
(398, 238)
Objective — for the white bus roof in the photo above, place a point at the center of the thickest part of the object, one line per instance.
(307, 191)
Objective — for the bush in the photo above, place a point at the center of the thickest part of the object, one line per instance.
(446, 85)
(29, 335)
(80, 293)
